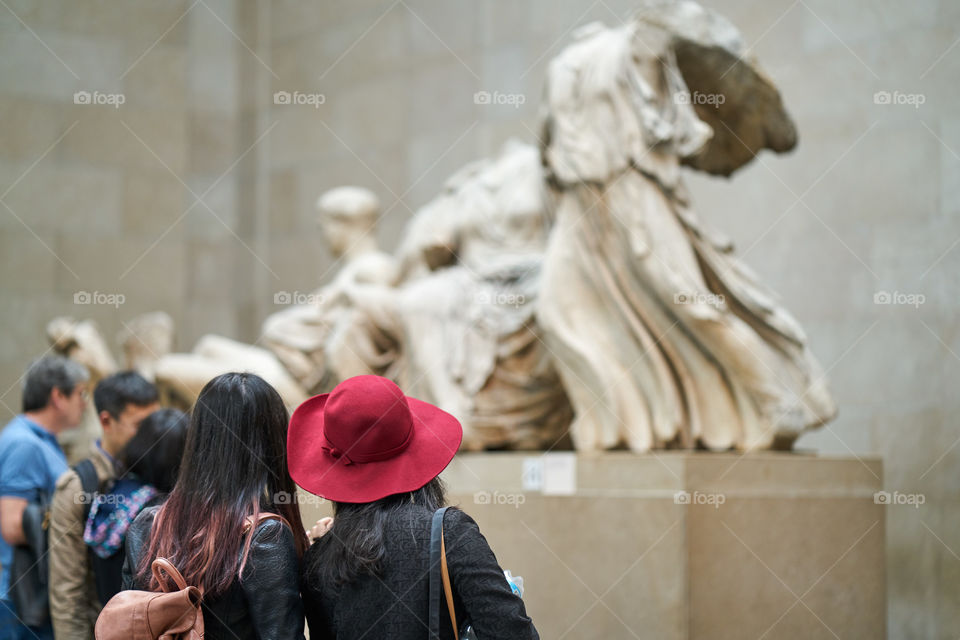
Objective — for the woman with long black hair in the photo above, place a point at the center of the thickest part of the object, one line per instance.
(377, 454)
(234, 469)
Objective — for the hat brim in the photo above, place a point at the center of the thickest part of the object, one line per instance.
(436, 439)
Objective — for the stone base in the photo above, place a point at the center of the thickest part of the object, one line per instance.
(685, 545)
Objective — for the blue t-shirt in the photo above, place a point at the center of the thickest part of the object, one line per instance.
(31, 461)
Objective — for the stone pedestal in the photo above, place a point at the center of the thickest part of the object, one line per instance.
(685, 545)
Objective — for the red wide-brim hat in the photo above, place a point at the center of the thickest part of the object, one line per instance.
(366, 440)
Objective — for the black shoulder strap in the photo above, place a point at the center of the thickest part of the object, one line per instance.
(436, 537)
(90, 483)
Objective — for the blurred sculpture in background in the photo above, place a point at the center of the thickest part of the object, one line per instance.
(324, 340)
(181, 376)
(661, 336)
(80, 340)
(146, 342)
(567, 284)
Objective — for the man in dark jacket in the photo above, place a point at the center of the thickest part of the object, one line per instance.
(122, 401)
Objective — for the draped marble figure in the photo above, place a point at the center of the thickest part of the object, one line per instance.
(662, 337)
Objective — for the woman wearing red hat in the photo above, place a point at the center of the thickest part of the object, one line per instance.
(234, 466)
(377, 454)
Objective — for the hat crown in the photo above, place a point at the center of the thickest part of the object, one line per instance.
(368, 419)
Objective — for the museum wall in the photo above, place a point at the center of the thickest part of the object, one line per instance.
(102, 198)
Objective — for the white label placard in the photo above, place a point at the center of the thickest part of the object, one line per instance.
(533, 474)
(559, 474)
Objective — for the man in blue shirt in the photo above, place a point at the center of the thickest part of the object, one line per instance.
(31, 460)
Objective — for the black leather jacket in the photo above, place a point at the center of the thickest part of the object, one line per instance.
(265, 605)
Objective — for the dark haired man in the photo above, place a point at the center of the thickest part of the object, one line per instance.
(31, 460)
(122, 401)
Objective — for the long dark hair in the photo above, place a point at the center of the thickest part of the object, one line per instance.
(234, 466)
(155, 452)
(356, 543)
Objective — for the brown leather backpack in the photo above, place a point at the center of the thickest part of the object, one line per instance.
(147, 615)
(167, 615)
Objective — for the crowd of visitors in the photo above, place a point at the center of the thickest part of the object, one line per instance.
(182, 526)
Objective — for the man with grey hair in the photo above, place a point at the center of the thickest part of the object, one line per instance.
(31, 460)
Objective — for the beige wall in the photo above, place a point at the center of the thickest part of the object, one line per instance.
(867, 203)
(103, 209)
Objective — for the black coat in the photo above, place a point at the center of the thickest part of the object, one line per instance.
(265, 605)
(395, 604)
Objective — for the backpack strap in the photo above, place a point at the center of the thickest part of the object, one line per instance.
(90, 483)
(162, 565)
